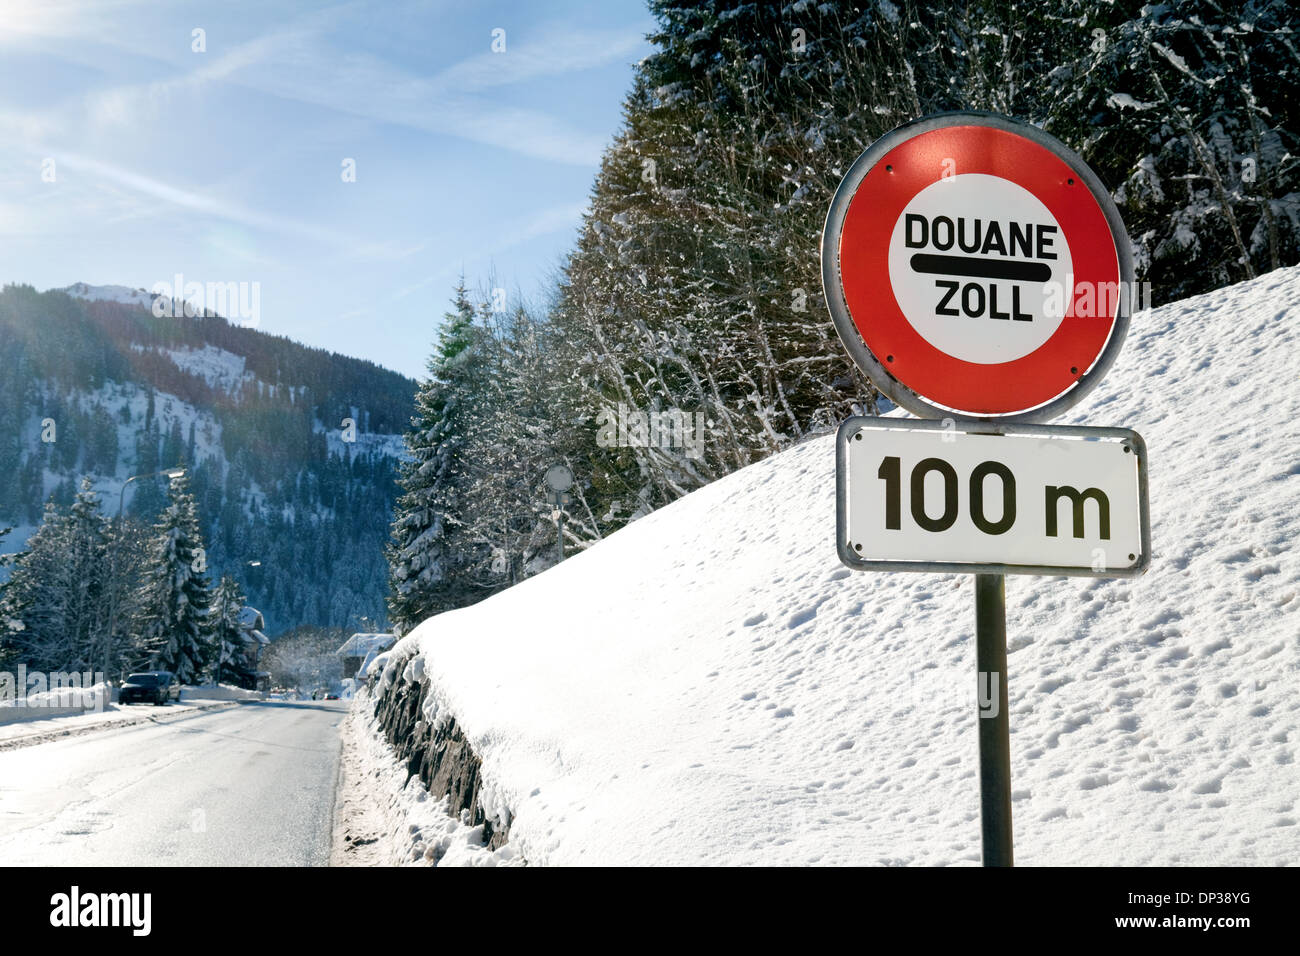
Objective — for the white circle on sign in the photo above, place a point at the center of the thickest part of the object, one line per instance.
(980, 268)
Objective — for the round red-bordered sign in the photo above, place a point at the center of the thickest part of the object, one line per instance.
(975, 266)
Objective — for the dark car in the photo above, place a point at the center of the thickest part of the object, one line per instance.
(155, 686)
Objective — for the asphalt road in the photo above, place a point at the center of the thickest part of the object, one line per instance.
(248, 785)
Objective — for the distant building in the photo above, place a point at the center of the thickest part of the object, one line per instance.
(359, 649)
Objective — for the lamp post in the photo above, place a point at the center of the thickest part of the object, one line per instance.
(172, 473)
(559, 479)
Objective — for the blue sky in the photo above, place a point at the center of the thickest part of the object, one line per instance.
(225, 165)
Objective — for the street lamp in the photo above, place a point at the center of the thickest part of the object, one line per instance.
(559, 479)
(172, 473)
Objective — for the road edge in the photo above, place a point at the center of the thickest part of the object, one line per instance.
(49, 736)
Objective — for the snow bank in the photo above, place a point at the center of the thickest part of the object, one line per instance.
(62, 702)
(386, 817)
(709, 685)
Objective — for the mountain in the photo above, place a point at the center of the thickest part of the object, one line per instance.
(710, 686)
(294, 503)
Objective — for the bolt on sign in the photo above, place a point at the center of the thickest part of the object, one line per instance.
(979, 274)
(975, 265)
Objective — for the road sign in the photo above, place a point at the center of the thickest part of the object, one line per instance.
(991, 498)
(976, 266)
(559, 478)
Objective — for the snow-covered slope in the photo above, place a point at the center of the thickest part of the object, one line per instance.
(238, 407)
(709, 685)
(220, 369)
(111, 293)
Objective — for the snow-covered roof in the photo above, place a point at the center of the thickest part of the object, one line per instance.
(251, 618)
(360, 645)
(376, 659)
(253, 634)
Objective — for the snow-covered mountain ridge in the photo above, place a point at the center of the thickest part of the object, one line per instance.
(710, 685)
(97, 384)
(110, 293)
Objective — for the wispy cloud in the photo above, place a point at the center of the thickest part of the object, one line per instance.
(200, 204)
(541, 223)
(553, 51)
(228, 160)
(24, 20)
(295, 63)
(124, 105)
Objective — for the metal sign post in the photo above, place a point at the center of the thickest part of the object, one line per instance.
(994, 724)
(979, 274)
(559, 479)
(1035, 499)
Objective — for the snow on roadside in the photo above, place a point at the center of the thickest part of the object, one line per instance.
(37, 717)
(709, 685)
(90, 697)
(220, 692)
(34, 727)
(385, 816)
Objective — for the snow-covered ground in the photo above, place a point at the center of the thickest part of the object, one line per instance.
(385, 817)
(709, 685)
(368, 443)
(23, 726)
(220, 369)
(56, 713)
(53, 704)
(113, 396)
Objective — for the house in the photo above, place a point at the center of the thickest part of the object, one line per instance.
(360, 648)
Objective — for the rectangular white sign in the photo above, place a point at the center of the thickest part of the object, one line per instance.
(920, 495)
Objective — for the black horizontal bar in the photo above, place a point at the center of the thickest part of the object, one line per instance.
(981, 268)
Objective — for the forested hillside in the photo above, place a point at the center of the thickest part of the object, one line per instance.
(688, 335)
(292, 502)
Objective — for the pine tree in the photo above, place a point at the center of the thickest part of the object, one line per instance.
(54, 617)
(8, 618)
(85, 571)
(429, 552)
(1188, 112)
(506, 512)
(122, 592)
(226, 636)
(175, 595)
(35, 607)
